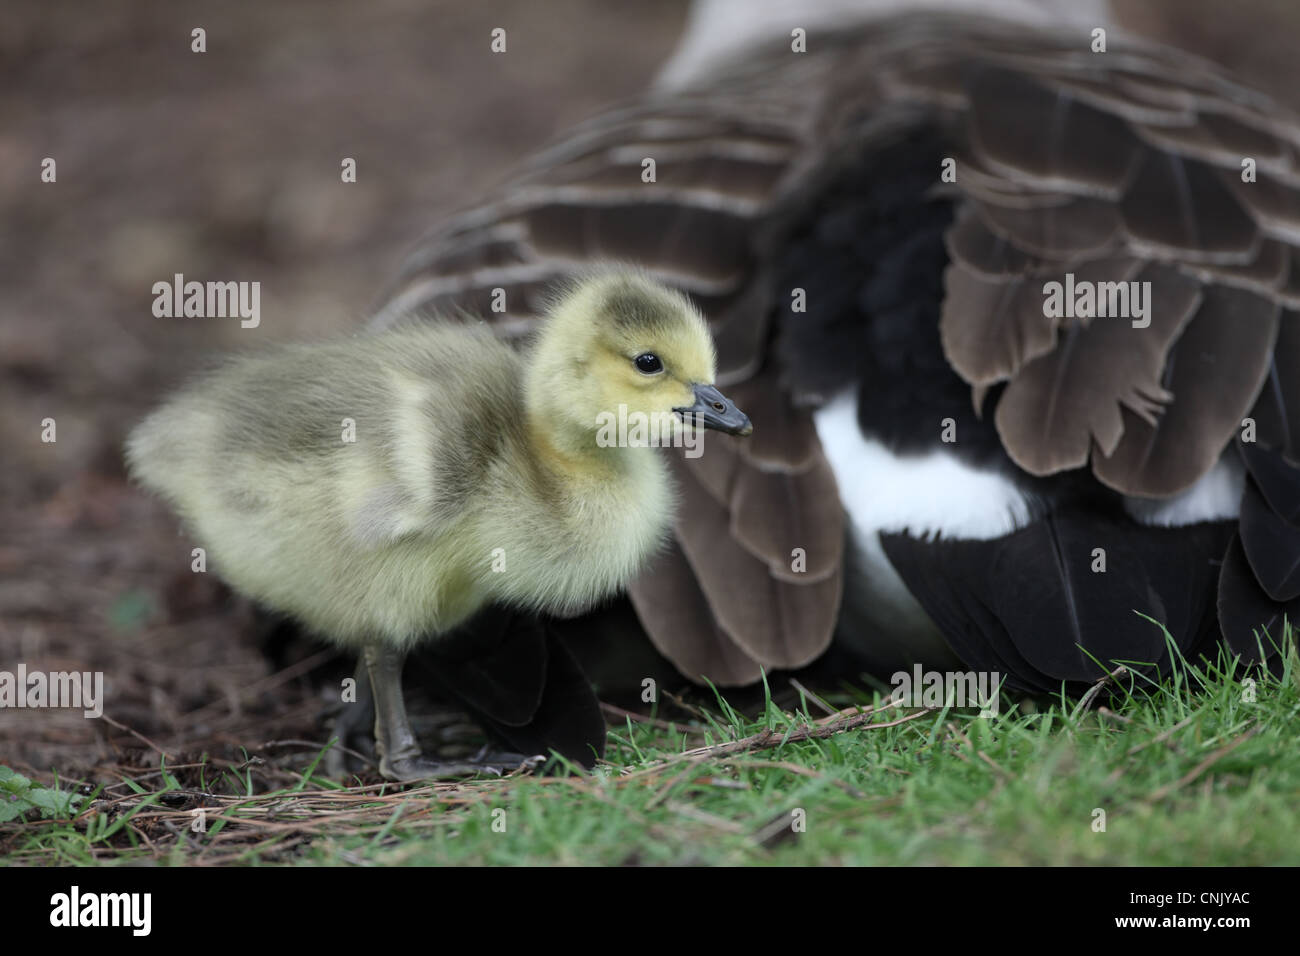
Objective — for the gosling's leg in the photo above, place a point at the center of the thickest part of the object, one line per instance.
(399, 752)
(354, 728)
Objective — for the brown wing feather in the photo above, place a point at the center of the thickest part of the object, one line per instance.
(779, 622)
(677, 616)
(1049, 141)
(1214, 374)
(1059, 405)
(992, 327)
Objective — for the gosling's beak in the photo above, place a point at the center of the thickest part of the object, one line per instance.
(712, 409)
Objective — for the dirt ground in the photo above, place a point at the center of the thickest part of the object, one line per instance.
(225, 165)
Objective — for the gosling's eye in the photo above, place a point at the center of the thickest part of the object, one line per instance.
(648, 363)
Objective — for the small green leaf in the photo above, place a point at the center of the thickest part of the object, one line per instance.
(130, 611)
(12, 781)
(17, 796)
(52, 803)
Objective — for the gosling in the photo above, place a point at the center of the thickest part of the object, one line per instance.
(383, 489)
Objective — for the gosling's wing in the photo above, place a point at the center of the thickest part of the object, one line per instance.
(335, 440)
(271, 441)
(1127, 165)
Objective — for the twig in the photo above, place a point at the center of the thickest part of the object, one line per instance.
(615, 711)
(1086, 700)
(134, 733)
(662, 794)
(795, 769)
(703, 816)
(1162, 736)
(767, 739)
(1203, 766)
(271, 681)
(956, 731)
(689, 708)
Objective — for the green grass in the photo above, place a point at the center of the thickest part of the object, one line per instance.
(1190, 772)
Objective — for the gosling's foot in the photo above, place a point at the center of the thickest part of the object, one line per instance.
(419, 767)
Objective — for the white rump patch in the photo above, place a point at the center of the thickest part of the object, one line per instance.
(1215, 497)
(921, 494)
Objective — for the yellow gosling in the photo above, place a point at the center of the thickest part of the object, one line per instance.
(383, 489)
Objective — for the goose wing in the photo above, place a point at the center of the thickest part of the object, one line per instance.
(1142, 164)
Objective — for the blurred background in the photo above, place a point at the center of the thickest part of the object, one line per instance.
(225, 166)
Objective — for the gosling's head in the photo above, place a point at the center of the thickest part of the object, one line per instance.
(619, 340)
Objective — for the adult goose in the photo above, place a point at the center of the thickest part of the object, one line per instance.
(1010, 303)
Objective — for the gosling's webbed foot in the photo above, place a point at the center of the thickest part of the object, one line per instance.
(420, 767)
